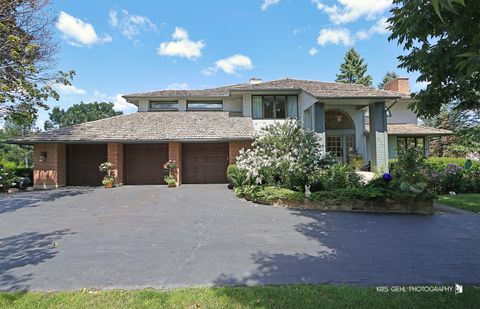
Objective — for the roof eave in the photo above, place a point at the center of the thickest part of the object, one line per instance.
(130, 141)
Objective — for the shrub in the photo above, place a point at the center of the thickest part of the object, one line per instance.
(269, 193)
(440, 163)
(336, 176)
(283, 154)
(7, 178)
(372, 193)
(235, 176)
(409, 167)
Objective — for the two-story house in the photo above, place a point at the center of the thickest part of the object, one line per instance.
(203, 130)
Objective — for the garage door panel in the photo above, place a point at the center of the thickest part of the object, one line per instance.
(205, 163)
(82, 164)
(144, 164)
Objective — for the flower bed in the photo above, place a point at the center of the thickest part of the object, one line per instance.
(357, 200)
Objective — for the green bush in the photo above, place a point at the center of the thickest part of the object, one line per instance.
(440, 163)
(372, 193)
(337, 176)
(409, 167)
(269, 193)
(24, 172)
(235, 176)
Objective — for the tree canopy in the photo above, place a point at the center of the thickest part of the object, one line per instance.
(390, 75)
(27, 49)
(353, 70)
(79, 113)
(441, 39)
(465, 125)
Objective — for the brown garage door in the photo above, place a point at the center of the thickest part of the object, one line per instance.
(204, 163)
(82, 164)
(144, 164)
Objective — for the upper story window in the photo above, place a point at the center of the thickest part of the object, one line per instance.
(162, 105)
(274, 106)
(205, 105)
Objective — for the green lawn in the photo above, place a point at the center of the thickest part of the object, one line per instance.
(469, 202)
(291, 296)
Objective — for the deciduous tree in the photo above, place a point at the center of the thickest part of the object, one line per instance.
(80, 113)
(441, 39)
(27, 49)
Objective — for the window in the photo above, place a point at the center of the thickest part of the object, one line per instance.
(274, 106)
(410, 142)
(161, 105)
(205, 105)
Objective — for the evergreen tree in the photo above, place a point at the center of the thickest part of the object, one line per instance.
(353, 70)
(388, 77)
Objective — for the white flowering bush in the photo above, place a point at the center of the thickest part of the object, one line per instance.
(283, 154)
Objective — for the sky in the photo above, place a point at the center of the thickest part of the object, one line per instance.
(121, 47)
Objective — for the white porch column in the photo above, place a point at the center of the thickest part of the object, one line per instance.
(378, 137)
(319, 121)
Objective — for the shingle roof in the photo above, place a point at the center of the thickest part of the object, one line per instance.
(316, 88)
(223, 91)
(151, 127)
(412, 129)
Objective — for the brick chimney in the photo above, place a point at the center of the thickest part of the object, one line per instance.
(400, 84)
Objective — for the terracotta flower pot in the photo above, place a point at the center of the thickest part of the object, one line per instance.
(172, 185)
(109, 185)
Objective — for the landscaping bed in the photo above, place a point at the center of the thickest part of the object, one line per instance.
(287, 166)
(336, 200)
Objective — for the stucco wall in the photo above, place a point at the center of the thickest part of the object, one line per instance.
(401, 113)
(233, 105)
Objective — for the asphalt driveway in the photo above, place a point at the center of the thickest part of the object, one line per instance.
(152, 236)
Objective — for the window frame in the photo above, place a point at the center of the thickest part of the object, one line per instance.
(416, 137)
(274, 106)
(150, 108)
(205, 102)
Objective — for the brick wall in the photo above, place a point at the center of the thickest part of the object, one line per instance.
(51, 171)
(234, 148)
(175, 153)
(115, 156)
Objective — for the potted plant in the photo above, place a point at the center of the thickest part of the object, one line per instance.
(108, 179)
(171, 166)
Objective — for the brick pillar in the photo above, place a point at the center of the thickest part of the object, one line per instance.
(115, 156)
(49, 171)
(175, 153)
(235, 147)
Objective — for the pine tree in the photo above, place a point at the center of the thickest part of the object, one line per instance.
(388, 77)
(353, 70)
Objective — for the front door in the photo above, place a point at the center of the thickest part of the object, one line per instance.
(341, 146)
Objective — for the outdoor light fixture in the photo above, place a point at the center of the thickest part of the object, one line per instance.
(339, 118)
(43, 156)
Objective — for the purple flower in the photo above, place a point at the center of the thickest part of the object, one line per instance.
(387, 177)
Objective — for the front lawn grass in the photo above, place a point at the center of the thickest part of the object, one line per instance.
(288, 296)
(470, 202)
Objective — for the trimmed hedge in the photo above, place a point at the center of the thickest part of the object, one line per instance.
(269, 193)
